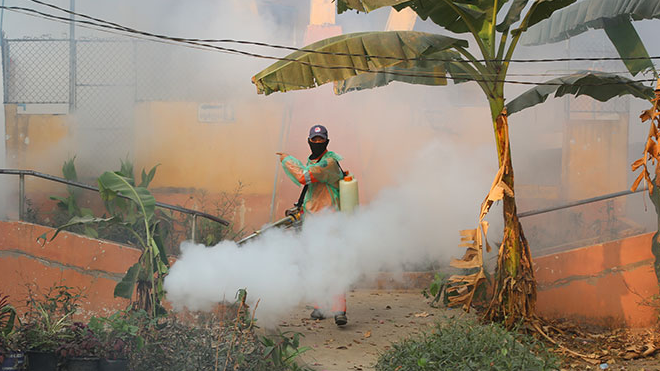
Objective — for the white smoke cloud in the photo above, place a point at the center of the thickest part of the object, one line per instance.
(415, 222)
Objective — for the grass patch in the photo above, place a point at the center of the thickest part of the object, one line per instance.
(460, 345)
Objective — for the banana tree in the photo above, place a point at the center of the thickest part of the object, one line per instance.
(372, 59)
(135, 204)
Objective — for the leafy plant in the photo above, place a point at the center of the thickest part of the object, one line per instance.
(466, 345)
(7, 315)
(436, 289)
(47, 317)
(69, 203)
(118, 333)
(59, 300)
(283, 348)
(79, 341)
(43, 331)
(131, 205)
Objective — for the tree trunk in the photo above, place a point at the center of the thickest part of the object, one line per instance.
(655, 243)
(514, 290)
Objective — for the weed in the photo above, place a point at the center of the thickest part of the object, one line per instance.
(466, 345)
(436, 289)
(282, 350)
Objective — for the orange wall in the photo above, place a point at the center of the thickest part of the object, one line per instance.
(602, 284)
(94, 266)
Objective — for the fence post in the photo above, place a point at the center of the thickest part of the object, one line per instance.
(72, 59)
(21, 197)
(194, 226)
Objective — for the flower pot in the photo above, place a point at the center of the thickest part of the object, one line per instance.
(113, 365)
(82, 364)
(41, 361)
(13, 361)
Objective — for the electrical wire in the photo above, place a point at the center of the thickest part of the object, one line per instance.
(291, 48)
(206, 46)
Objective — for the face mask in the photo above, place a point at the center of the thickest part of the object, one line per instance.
(317, 148)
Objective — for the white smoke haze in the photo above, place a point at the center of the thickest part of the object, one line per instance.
(415, 222)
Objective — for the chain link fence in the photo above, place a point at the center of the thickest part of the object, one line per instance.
(109, 77)
(588, 45)
(36, 71)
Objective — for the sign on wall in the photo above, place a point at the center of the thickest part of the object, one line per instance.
(215, 113)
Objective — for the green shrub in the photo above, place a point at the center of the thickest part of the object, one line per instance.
(466, 345)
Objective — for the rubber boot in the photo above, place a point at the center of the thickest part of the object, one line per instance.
(339, 308)
(317, 314)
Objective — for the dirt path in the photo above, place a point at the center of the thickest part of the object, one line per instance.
(375, 319)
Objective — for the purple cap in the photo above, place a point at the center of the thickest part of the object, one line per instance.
(318, 131)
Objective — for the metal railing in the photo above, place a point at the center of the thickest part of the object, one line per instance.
(580, 202)
(21, 194)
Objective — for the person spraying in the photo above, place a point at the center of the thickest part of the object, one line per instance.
(320, 177)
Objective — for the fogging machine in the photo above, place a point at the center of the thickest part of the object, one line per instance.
(291, 220)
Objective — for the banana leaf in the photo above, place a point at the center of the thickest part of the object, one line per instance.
(423, 69)
(444, 15)
(598, 85)
(512, 15)
(543, 9)
(76, 220)
(588, 14)
(111, 184)
(147, 178)
(628, 44)
(390, 74)
(365, 5)
(290, 74)
(124, 289)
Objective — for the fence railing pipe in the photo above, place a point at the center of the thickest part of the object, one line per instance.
(578, 203)
(21, 197)
(22, 173)
(194, 227)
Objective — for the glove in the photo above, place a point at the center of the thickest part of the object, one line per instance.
(294, 212)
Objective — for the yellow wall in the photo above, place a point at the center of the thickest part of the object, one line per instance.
(595, 157)
(37, 142)
(211, 156)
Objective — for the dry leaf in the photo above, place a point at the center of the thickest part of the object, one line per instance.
(635, 165)
(367, 334)
(637, 181)
(468, 234)
(484, 229)
(646, 115)
(651, 349)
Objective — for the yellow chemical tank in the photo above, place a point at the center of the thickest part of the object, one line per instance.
(348, 194)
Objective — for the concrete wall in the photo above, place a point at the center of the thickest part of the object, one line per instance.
(94, 266)
(603, 285)
(606, 284)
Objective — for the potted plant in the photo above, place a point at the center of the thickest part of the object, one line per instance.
(80, 349)
(11, 356)
(11, 353)
(42, 334)
(119, 334)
